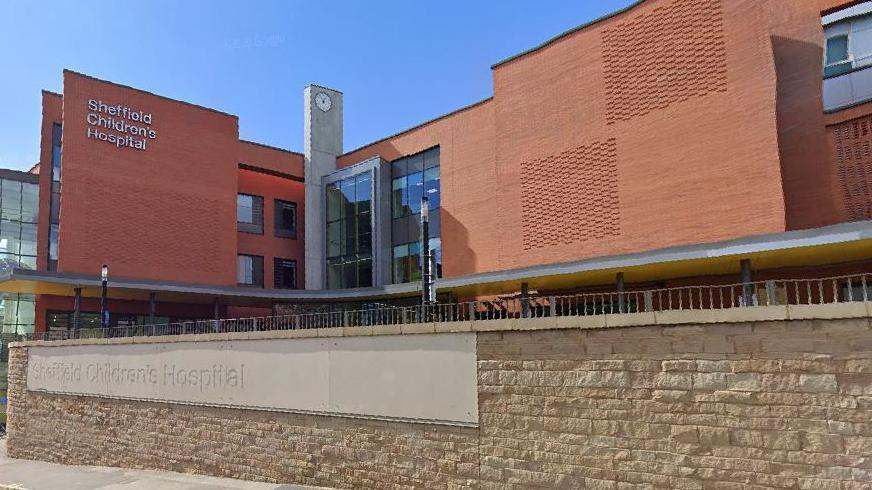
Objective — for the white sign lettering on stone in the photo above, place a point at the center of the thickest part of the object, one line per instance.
(417, 377)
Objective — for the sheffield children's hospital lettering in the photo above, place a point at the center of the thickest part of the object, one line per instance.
(115, 119)
(212, 377)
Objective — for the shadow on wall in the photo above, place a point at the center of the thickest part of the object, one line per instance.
(458, 256)
(807, 172)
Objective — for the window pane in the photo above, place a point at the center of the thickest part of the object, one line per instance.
(400, 197)
(349, 275)
(334, 239)
(861, 45)
(334, 203)
(347, 187)
(363, 191)
(334, 274)
(431, 187)
(416, 191)
(401, 253)
(285, 218)
(29, 202)
(11, 199)
(431, 157)
(10, 236)
(244, 209)
(244, 269)
(364, 273)
(53, 242)
(415, 261)
(400, 167)
(436, 252)
(28, 239)
(837, 49)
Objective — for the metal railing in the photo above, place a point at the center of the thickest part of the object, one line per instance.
(841, 289)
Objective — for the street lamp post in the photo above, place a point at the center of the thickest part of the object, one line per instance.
(104, 311)
(427, 293)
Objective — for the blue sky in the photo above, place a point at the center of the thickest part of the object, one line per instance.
(398, 63)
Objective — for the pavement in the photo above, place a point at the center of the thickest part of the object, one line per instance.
(37, 475)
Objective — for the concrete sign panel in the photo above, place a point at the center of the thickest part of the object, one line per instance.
(415, 377)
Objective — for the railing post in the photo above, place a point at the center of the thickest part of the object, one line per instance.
(552, 306)
(771, 291)
(471, 306)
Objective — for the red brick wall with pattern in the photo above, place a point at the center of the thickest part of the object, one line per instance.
(853, 165)
(165, 213)
(684, 91)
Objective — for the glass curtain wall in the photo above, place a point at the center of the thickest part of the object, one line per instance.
(412, 178)
(349, 232)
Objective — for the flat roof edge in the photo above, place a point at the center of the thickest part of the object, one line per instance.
(418, 126)
(569, 32)
(146, 92)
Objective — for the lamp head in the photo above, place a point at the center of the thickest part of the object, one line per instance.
(104, 272)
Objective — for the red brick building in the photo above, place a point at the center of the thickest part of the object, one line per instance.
(667, 142)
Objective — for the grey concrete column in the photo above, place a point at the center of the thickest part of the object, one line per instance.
(322, 143)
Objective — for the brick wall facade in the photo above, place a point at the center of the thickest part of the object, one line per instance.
(783, 404)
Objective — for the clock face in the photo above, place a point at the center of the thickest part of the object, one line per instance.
(323, 101)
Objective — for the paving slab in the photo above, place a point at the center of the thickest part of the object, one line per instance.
(38, 475)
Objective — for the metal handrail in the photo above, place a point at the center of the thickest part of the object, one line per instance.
(839, 289)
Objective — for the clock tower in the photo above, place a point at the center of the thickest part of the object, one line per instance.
(322, 143)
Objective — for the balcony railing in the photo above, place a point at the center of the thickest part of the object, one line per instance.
(842, 289)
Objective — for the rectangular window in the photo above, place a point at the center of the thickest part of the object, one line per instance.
(415, 177)
(284, 273)
(838, 57)
(249, 270)
(349, 232)
(285, 219)
(249, 213)
(55, 200)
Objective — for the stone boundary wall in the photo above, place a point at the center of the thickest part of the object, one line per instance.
(758, 403)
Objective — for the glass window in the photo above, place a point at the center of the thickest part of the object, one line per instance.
(421, 178)
(349, 232)
(416, 192)
(400, 261)
(29, 203)
(53, 243)
(57, 137)
(10, 236)
(28, 239)
(285, 219)
(244, 209)
(284, 273)
(249, 270)
(249, 213)
(10, 199)
(399, 197)
(837, 49)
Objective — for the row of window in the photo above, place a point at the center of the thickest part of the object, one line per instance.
(849, 46)
(18, 214)
(249, 272)
(249, 216)
(413, 178)
(349, 232)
